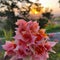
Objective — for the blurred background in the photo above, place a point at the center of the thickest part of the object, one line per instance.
(45, 12)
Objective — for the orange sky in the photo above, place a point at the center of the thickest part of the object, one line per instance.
(53, 4)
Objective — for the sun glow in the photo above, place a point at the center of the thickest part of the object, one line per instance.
(36, 9)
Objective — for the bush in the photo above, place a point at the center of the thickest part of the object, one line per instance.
(43, 22)
(1, 33)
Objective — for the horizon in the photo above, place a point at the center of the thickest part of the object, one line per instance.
(51, 4)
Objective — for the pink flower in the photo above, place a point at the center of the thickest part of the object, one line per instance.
(30, 41)
(21, 22)
(22, 25)
(9, 47)
(33, 26)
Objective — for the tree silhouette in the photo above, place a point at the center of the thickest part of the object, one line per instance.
(59, 3)
(14, 6)
(11, 17)
(48, 14)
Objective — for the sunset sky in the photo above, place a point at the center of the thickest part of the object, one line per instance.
(52, 4)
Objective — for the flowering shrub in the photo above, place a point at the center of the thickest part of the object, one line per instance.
(31, 42)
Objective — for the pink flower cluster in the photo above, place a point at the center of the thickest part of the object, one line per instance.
(31, 42)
